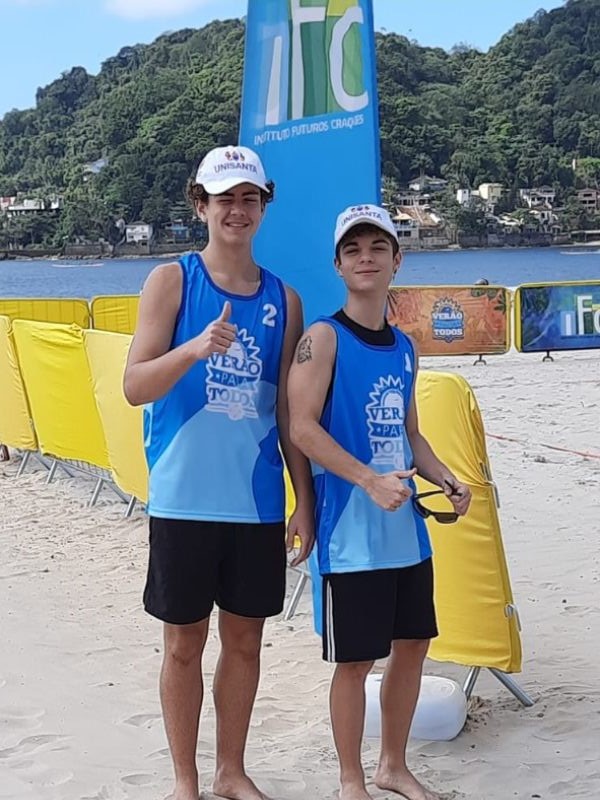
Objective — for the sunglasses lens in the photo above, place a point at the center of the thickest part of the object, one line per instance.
(421, 510)
(445, 517)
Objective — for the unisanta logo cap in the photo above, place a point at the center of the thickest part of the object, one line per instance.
(357, 215)
(225, 167)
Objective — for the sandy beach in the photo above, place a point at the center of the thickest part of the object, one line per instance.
(79, 659)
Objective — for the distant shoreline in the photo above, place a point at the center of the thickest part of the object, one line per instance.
(178, 253)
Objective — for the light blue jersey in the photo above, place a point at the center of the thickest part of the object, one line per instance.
(365, 413)
(211, 442)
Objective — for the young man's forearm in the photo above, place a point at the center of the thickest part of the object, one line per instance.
(296, 462)
(148, 381)
(427, 463)
(320, 447)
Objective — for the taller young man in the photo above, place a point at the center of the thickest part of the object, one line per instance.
(353, 413)
(215, 338)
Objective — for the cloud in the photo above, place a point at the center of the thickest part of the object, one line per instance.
(143, 9)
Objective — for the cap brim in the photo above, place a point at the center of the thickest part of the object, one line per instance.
(218, 187)
(365, 220)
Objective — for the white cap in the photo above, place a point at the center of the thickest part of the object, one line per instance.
(357, 215)
(225, 167)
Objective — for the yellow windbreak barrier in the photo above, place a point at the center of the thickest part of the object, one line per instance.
(59, 386)
(16, 429)
(68, 311)
(116, 313)
(123, 426)
(476, 617)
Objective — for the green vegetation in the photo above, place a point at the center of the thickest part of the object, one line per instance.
(518, 114)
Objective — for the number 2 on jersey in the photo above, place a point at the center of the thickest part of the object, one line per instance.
(270, 314)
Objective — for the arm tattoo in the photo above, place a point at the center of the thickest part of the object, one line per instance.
(304, 350)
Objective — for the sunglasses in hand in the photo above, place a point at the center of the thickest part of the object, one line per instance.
(443, 517)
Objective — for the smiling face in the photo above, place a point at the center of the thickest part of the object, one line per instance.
(367, 259)
(234, 216)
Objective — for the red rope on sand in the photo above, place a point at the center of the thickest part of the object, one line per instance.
(549, 446)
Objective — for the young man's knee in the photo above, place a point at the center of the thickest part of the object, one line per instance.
(354, 670)
(411, 648)
(184, 644)
(242, 640)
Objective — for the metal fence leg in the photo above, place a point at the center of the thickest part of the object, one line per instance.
(296, 595)
(130, 506)
(469, 683)
(40, 458)
(512, 686)
(24, 462)
(52, 471)
(96, 492)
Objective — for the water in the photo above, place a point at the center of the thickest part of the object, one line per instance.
(506, 267)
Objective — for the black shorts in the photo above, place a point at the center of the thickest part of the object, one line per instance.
(240, 567)
(364, 612)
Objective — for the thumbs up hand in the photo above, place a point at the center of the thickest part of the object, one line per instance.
(225, 312)
(217, 337)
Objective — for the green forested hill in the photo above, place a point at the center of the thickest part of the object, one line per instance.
(517, 114)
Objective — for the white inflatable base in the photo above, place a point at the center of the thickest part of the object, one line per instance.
(440, 715)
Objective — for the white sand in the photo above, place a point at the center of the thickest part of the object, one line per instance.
(79, 659)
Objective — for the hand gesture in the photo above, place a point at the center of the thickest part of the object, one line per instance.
(459, 495)
(388, 491)
(301, 525)
(217, 337)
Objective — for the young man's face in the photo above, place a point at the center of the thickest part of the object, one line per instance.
(366, 261)
(233, 216)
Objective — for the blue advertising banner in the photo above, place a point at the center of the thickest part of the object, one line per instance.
(309, 108)
(557, 316)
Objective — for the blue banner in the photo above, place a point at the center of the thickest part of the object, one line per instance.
(309, 108)
(558, 317)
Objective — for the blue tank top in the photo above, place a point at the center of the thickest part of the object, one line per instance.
(211, 442)
(365, 413)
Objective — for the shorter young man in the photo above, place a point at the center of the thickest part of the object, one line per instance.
(353, 413)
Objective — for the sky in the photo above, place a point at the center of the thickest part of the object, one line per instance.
(43, 38)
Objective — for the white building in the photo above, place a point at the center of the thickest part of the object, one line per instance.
(407, 229)
(6, 202)
(539, 196)
(589, 199)
(25, 207)
(411, 199)
(491, 192)
(138, 233)
(467, 197)
(425, 183)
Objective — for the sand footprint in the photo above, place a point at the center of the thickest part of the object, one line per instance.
(138, 780)
(162, 753)
(111, 792)
(48, 778)
(15, 717)
(142, 720)
(31, 744)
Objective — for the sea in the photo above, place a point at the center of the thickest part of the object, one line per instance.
(505, 267)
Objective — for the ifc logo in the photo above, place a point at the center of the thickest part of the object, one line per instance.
(323, 71)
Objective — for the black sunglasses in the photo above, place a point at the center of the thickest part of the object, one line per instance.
(443, 517)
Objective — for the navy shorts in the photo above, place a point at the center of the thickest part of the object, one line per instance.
(364, 612)
(193, 565)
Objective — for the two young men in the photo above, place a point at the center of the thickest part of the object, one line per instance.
(215, 339)
(353, 414)
(210, 359)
